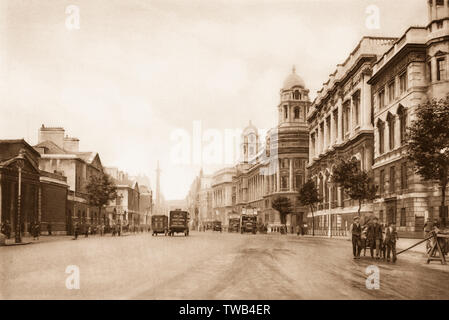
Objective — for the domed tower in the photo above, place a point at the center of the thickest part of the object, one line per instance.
(438, 48)
(294, 102)
(250, 143)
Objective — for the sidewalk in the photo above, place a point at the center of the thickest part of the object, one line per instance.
(403, 243)
(42, 239)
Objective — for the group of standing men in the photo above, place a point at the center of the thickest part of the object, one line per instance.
(380, 237)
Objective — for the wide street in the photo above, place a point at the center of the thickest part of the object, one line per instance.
(211, 266)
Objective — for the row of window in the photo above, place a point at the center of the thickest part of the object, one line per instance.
(296, 112)
(391, 121)
(392, 179)
(437, 2)
(392, 94)
(332, 126)
(392, 218)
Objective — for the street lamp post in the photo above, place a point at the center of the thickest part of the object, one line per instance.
(20, 163)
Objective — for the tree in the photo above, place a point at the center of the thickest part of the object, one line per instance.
(428, 143)
(284, 206)
(356, 183)
(101, 189)
(308, 196)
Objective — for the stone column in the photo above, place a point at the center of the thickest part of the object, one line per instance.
(311, 148)
(278, 177)
(339, 199)
(365, 103)
(325, 134)
(290, 174)
(319, 139)
(331, 128)
(340, 121)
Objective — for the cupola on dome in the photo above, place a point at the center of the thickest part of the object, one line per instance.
(293, 80)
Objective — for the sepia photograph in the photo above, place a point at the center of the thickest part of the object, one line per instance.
(224, 155)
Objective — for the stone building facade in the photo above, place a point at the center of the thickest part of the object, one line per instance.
(341, 126)
(222, 195)
(411, 72)
(60, 154)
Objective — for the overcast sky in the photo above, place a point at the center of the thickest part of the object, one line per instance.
(135, 72)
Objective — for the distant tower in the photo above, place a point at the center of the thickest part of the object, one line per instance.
(249, 146)
(158, 188)
(294, 103)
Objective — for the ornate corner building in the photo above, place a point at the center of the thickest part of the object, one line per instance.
(411, 72)
(363, 111)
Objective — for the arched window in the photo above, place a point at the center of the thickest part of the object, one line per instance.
(381, 129)
(390, 120)
(402, 114)
(296, 95)
(285, 112)
(296, 112)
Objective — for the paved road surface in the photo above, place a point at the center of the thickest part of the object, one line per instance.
(212, 266)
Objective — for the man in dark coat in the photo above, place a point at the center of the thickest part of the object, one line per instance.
(356, 231)
(76, 230)
(374, 237)
(391, 236)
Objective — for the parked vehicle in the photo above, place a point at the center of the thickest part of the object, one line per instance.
(217, 226)
(248, 223)
(159, 224)
(234, 225)
(178, 222)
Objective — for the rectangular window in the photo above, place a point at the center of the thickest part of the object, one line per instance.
(429, 70)
(328, 132)
(381, 99)
(381, 129)
(298, 182)
(404, 175)
(441, 71)
(356, 105)
(403, 218)
(391, 93)
(403, 82)
(382, 182)
(381, 216)
(392, 180)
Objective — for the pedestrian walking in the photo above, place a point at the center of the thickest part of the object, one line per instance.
(298, 230)
(49, 228)
(374, 237)
(355, 230)
(35, 230)
(86, 230)
(391, 236)
(76, 230)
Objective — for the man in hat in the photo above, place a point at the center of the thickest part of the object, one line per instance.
(375, 237)
(356, 231)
